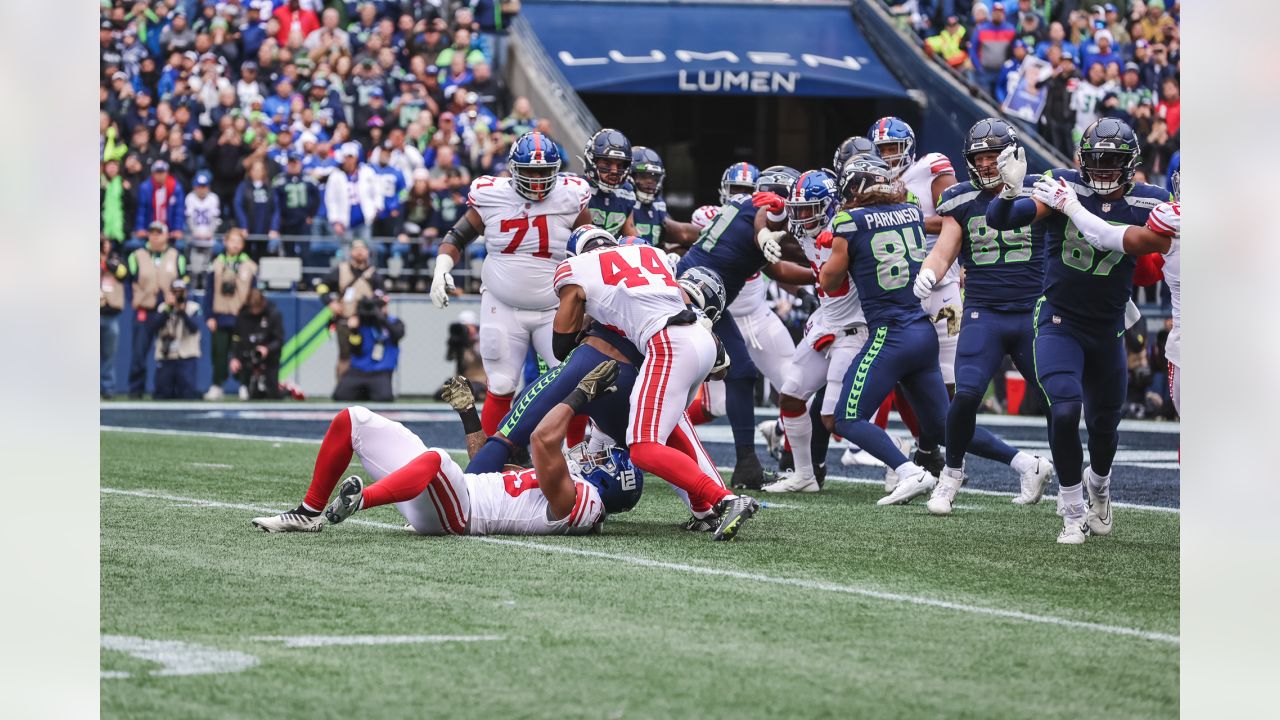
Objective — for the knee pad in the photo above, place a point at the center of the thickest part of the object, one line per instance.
(1062, 388)
(966, 400)
(1064, 417)
(501, 383)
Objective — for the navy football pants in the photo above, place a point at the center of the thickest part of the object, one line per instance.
(739, 383)
(986, 336)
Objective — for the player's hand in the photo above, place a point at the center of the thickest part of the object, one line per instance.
(720, 367)
(442, 284)
(600, 380)
(1012, 164)
(925, 281)
(825, 239)
(457, 392)
(772, 202)
(770, 244)
(1055, 193)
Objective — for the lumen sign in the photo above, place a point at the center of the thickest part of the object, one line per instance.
(763, 72)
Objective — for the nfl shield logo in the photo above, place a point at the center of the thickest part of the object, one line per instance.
(1106, 207)
(1056, 320)
(974, 315)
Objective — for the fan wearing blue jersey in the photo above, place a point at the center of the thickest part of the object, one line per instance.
(1004, 272)
(730, 246)
(879, 243)
(1079, 354)
(606, 164)
(650, 214)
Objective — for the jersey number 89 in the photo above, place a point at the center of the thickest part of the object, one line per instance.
(891, 248)
(985, 241)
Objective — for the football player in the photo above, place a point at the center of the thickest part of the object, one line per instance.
(1079, 353)
(855, 145)
(834, 334)
(526, 220)
(879, 243)
(438, 498)
(650, 214)
(735, 249)
(1003, 277)
(631, 289)
(738, 179)
(606, 165)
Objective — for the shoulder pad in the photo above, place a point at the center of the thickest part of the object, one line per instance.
(843, 222)
(660, 205)
(956, 196)
(939, 164)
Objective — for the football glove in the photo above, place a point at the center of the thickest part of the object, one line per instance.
(1013, 169)
(772, 202)
(825, 239)
(442, 284)
(924, 283)
(951, 314)
(457, 392)
(770, 245)
(1056, 193)
(600, 380)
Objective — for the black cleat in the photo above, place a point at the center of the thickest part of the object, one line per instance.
(931, 461)
(747, 473)
(786, 461)
(820, 472)
(734, 511)
(706, 524)
(350, 499)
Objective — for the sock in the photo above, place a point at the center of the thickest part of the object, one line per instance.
(1071, 501)
(577, 430)
(331, 462)
(904, 410)
(685, 443)
(957, 473)
(1098, 483)
(873, 440)
(962, 418)
(680, 470)
(496, 407)
(800, 427)
(906, 469)
(782, 427)
(406, 483)
(490, 457)
(1023, 462)
(305, 509)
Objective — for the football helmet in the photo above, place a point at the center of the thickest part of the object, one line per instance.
(856, 145)
(534, 161)
(777, 179)
(587, 238)
(706, 290)
(1108, 155)
(811, 204)
(987, 135)
(704, 216)
(647, 173)
(607, 159)
(610, 470)
(738, 179)
(865, 173)
(895, 142)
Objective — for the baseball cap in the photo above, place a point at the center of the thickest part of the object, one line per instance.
(178, 284)
(191, 55)
(321, 83)
(1104, 34)
(997, 6)
(1068, 55)
(421, 174)
(159, 166)
(248, 65)
(202, 178)
(1132, 67)
(1141, 43)
(1155, 4)
(158, 226)
(206, 57)
(119, 75)
(106, 25)
(294, 156)
(375, 92)
(1019, 43)
(1109, 8)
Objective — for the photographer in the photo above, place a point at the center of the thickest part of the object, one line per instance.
(375, 350)
(463, 348)
(226, 289)
(259, 335)
(177, 345)
(343, 288)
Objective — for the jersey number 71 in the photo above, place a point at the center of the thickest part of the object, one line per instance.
(521, 227)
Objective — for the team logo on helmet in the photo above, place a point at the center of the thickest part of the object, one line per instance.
(619, 482)
(811, 203)
(738, 179)
(587, 238)
(647, 173)
(705, 289)
(534, 161)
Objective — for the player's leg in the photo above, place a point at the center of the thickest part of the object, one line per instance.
(769, 344)
(503, 344)
(538, 323)
(534, 402)
(869, 380)
(1034, 472)
(801, 379)
(739, 386)
(1059, 363)
(1175, 387)
(685, 439)
(1106, 379)
(331, 462)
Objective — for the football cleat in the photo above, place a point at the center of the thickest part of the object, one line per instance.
(771, 431)
(919, 482)
(944, 493)
(734, 511)
(702, 524)
(890, 474)
(861, 457)
(1034, 482)
(1099, 502)
(930, 460)
(747, 473)
(350, 499)
(289, 522)
(793, 482)
(1074, 532)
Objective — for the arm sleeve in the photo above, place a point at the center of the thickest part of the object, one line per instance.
(1004, 214)
(1097, 232)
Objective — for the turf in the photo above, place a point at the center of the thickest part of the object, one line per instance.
(603, 636)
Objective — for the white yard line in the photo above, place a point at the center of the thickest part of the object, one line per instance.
(818, 585)
(314, 641)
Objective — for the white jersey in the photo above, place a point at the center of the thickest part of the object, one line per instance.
(525, 240)
(203, 217)
(842, 308)
(751, 298)
(511, 503)
(1172, 278)
(919, 180)
(629, 289)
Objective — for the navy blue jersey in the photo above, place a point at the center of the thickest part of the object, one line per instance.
(609, 209)
(648, 218)
(1004, 269)
(886, 248)
(728, 246)
(1085, 284)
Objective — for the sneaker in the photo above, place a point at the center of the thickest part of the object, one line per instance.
(747, 473)
(1034, 482)
(771, 431)
(214, 393)
(350, 499)
(919, 482)
(1074, 527)
(793, 481)
(861, 457)
(702, 524)
(944, 493)
(289, 522)
(1099, 503)
(734, 511)
(244, 392)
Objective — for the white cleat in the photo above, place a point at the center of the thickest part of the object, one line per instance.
(214, 393)
(289, 522)
(1099, 515)
(793, 481)
(1074, 532)
(891, 475)
(913, 485)
(944, 493)
(350, 499)
(1034, 482)
(774, 438)
(862, 457)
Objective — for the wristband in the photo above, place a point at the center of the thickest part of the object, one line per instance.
(775, 218)
(576, 400)
(470, 420)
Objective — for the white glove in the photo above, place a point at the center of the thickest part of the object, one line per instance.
(1131, 314)
(1057, 194)
(1013, 169)
(442, 283)
(673, 261)
(925, 281)
(768, 240)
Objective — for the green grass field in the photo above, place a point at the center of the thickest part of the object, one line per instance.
(825, 607)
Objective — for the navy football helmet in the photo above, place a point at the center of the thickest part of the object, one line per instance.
(534, 161)
(607, 159)
(895, 142)
(618, 481)
(856, 145)
(811, 204)
(587, 238)
(987, 135)
(777, 179)
(865, 173)
(647, 173)
(706, 290)
(738, 179)
(1108, 155)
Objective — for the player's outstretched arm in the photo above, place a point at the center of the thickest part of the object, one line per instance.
(831, 275)
(944, 252)
(680, 233)
(791, 273)
(568, 321)
(1157, 236)
(544, 445)
(457, 392)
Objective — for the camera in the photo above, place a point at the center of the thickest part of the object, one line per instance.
(369, 310)
(227, 287)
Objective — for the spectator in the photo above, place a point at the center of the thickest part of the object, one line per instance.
(140, 114)
(174, 150)
(1155, 26)
(991, 40)
(1104, 54)
(430, 43)
(1009, 73)
(115, 191)
(230, 279)
(418, 234)
(177, 348)
(352, 195)
(160, 199)
(1059, 114)
(521, 119)
(375, 351)
(256, 210)
(204, 217)
(390, 217)
(491, 92)
(461, 46)
(152, 269)
(1058, 39)
(1087, 99)
(1170, 107)
(457, 75)
(328, 41)
(1031, 29)
(1119, 31)
(281, 100)
(248, 86)
(110, 303)
(253, 33)
(1132, 93)
(258, 339)
(296, 23)
(375, 107)
(401, 156)
(950, 44)
(298, 198)
(1157, 151)
(324, 103)
(343, 288)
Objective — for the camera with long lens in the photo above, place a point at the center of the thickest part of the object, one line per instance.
(227, 287)
(369, 310)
